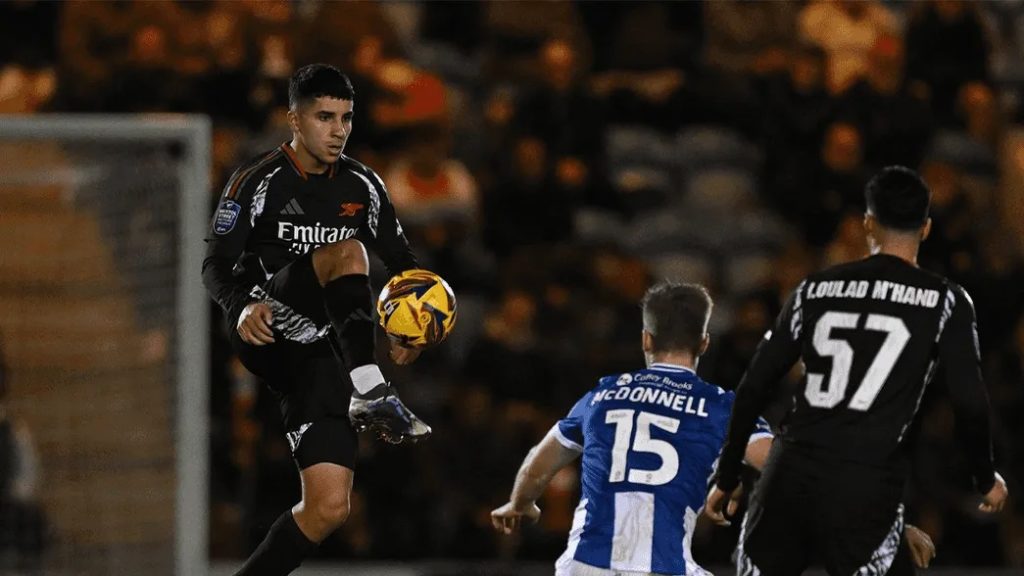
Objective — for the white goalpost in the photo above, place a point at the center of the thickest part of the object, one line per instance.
(104, 324)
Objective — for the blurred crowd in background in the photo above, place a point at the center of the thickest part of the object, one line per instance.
(551, 160)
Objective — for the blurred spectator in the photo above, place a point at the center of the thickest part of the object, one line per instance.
(974, 145)
(328, 31)
(817, 195)
(978, 108)
(224, 55)
(508, 356)
(729, 353)
(101, 41)
(651, 50)
(561, 112)
(438, 200)
(953, 243)
(644, 36)
(427, 186)
(610, 324)
(145, 82)
(843, 160)
(946, 49)
(847, 30)
(748, 38)
(499, 132)
(994, 282)
(797, 105)
(894, 120)
(515, 31)
(797, 108)
(408, 97)
(849, 241)
(520, 210)
(369, 139)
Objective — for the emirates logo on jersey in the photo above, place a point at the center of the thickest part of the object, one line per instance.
(306, 238)
(350, 209)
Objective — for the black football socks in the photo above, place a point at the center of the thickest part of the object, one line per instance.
(281, 552)
(349, 301)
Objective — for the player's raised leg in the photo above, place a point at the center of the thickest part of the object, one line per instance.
(342, 268)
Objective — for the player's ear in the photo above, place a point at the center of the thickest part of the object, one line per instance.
(647, 342)
(926, 229)
(705, 341)
(293, 119)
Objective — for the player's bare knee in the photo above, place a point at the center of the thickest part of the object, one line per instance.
(332, 510)
(340, 259)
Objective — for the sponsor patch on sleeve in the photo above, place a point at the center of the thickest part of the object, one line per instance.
(227, 215)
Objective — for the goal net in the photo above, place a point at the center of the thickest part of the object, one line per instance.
(103, 327)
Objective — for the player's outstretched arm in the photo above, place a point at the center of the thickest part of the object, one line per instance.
(539, 467)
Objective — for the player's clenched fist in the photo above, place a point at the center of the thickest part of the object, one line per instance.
(721, 505)
(254, 324)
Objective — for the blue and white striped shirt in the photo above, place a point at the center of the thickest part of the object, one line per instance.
(649, 440)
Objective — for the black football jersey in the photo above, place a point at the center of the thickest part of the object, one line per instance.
(871, 335)
(271, 212)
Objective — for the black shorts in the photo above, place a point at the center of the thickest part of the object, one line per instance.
(806, 508)
(302, 368)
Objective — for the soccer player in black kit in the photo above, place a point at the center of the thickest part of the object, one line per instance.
(286, 260)
(871, 334)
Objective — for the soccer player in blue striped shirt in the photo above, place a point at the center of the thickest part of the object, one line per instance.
(649, 441)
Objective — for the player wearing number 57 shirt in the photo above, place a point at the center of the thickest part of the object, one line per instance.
(871, 335)
(649, 440)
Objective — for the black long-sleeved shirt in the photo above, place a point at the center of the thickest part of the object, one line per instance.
(871, 334)
(272, 211)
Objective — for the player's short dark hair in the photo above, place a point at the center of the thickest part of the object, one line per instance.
(676, 315)
(315, 80)
(898, 198)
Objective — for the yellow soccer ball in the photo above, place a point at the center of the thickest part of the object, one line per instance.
(417, 307)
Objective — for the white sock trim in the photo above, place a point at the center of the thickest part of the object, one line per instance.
(366, 378)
